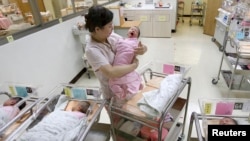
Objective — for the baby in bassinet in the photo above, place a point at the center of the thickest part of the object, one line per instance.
(8, 110)
(228, 121)
(80, 108)
(126, 86)
(60, 124)
(224, 121)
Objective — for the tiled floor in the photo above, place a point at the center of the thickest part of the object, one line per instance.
(188, 46)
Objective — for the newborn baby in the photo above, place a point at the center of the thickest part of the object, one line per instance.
(9, 110)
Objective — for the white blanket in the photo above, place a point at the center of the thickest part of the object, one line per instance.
(153, 102)
(57, 126)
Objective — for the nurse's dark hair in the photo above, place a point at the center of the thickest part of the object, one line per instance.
(97, 16)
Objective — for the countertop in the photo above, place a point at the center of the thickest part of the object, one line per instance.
(143, 7)
(128, 24)
(147, 7)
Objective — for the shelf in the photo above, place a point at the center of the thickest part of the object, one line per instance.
(120, 135)
(99, 132)
(172, 135)
(175, 132)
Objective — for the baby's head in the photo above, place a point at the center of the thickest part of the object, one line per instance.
(227, 121)
(13, 101)
(134, 32)
(81, 106)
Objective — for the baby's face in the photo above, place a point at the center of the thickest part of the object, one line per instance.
(226, 121)
(9, 102)
(133, 32)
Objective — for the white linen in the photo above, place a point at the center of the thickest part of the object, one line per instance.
(57, 126)
(62, 102)
(153, 102)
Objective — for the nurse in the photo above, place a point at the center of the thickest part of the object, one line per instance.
(100, 50)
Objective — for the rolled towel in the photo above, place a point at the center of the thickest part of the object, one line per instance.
(153, 102)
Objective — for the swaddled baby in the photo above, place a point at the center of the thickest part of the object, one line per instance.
(80, 109)
(8, 110)
(60, 125)
(128, 85)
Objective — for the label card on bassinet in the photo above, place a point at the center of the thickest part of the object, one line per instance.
(93, 93)
(79, 93)
(168, 69)
(172, 69)
(22, 91)
(208, 108)
(224, 108)
(82, 93)
(74, 92)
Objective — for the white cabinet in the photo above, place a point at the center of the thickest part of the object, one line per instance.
(154, 23)
(220, 32)
(161, 24)
(173, 13)
(130, 15)
(146, 27)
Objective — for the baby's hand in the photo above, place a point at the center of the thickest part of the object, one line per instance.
(140, 50)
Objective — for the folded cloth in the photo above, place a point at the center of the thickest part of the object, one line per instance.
(153, 102)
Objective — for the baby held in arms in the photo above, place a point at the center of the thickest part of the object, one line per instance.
(128, 85)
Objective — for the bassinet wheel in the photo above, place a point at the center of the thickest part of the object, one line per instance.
(214, 81)
(221, 48)
(213, 39)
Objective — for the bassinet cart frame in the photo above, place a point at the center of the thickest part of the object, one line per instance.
(211, 110)
(48, 104)
(29, 109)
(195, 118)
(176, 128)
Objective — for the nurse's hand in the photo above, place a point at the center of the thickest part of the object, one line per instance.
(141, 49)
(135, 62)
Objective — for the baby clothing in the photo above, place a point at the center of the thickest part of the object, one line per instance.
(100, 54)
(78, 114)
(128, 85)
(7, 113)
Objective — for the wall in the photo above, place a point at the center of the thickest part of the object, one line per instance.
(47, 58)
